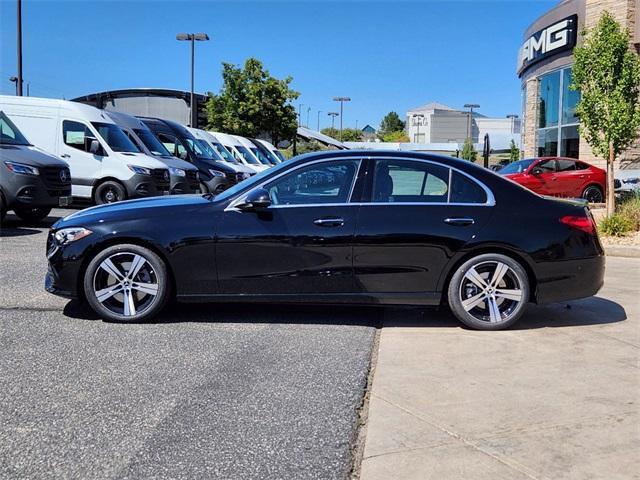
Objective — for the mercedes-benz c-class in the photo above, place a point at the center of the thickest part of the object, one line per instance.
(341, 227)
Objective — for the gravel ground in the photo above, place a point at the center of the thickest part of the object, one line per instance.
(207, 392)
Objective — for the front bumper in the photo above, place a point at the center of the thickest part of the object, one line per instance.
(35, 190)
(561, 281)
(186, 184)
(156, 184)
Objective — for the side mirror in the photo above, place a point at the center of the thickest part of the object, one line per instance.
(258, 199)
(535, 171)
(183, 155)
(94, 145)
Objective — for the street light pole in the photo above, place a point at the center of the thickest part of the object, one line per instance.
(193, 37)
(333, 116)
(470, 106)
(417, 115)
(308, 112)
(300, 105)
(319, 112)
(19, 42)
(341, 100)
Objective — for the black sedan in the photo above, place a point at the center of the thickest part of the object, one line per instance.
(381, 228)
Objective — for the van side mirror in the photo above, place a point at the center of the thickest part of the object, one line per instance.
(182, 155)
(91, 145)
(258, 199)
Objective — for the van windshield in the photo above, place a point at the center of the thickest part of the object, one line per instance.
(204, 145)
(246, 155)
(9, 133)
(261, 156)
(195, 148)
(224, 153)
(115, 137)
(152, 143)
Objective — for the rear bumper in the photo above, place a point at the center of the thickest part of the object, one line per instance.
(560, 281)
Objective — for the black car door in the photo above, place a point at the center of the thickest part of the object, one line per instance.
(416, 214)
(302, 243)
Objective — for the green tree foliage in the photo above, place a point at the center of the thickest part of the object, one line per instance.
(514, 152)
(251, 103)
(348, 134)
(607, 73)
(390, 123)
(468, 152)
(396, 136)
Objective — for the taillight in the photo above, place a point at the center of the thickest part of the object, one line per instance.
(581, 223)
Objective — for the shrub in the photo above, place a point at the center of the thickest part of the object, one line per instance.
(615, 225)
(630, 209)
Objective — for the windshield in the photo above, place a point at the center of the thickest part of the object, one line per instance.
(115, 137)
(280, 155)
(9, 133)
(196, 149)
(152, 143)
(254, 180)
(516, 167)
(204, 145)
(224, 153)
(261, 156)
(246, 155)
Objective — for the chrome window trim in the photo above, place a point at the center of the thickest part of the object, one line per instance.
(491, 201)
(232, 205)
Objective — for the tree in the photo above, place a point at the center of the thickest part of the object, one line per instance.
(514, 152)
(252, 103)
(396, 136)
(468, 152)
(348, 134)
(607, 74)
(390, 123)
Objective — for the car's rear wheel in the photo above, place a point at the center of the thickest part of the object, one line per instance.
(489, 292)
(34, 214)
(126, 283)
(109, 192)
(593, 194)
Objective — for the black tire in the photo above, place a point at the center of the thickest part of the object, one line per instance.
(109, 192)
(593, 194)
(203, 188)
(32, 215)
(115, 291)
(477, 311)
(3, 208)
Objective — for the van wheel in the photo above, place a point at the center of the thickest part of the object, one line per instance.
(489, 292)
(109, 192)
(32, 215)
(126, 283)
(593, 194)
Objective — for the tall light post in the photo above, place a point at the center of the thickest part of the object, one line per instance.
(19, 45)
(193, 37)
(319, 112)
(14, 79)
(308, 112)
(341, 100)
(333, 116)
(300, 105)
(470, 106)
(417, 124)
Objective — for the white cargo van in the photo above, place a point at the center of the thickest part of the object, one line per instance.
(105, 165)
(269, 146)
(251, 148)
(240, 152)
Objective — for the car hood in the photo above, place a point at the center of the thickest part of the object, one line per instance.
(130, 209)
(177, 163)
(30, 155)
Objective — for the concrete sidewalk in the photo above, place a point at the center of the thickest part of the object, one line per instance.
(555, 398)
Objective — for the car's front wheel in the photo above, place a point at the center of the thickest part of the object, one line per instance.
(489, 292)
(593, 194)
(126, 283)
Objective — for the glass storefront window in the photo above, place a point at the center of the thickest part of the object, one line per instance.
(557, 133)
(570, 99)
(549, 100)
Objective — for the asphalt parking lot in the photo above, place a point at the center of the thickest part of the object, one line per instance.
(273, 392)
(207, 392)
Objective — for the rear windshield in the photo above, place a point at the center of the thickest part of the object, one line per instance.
(516, 167)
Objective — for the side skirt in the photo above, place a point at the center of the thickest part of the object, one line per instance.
(417, 298)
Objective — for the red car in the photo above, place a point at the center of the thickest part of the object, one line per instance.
(559, 177)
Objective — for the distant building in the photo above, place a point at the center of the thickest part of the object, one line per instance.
(150, 102)
(439, 123)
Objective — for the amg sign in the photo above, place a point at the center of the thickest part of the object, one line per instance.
(548, 41)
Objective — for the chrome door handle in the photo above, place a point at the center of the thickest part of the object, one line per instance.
(329, 222)
(65, 155)
(459, 221)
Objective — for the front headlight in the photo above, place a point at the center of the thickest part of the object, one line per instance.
(68, 235)
(177, 171)
(139, 170)
(22, 169)
(216, 173)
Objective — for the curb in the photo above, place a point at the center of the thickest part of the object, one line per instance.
(629, 251)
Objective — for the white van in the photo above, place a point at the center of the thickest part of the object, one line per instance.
(269, 146)
(206, 140)
(239, 151)
(253, 150)
(105, 165)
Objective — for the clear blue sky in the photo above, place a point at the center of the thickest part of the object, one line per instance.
(391, 55)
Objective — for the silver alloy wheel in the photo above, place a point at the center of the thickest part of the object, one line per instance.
(126, 284)
(491, 291)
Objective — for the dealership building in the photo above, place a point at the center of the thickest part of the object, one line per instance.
(550, 125)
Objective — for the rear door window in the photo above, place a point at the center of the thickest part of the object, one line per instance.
(406, 181)
(565, 165)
